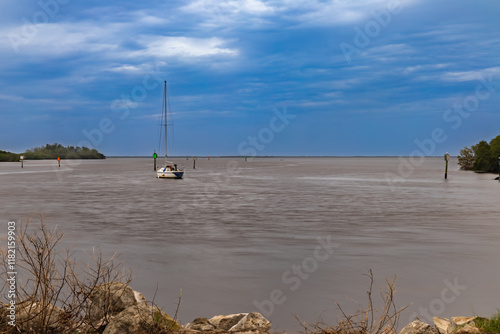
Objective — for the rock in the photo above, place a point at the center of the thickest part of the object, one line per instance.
(418, 327)
(201, 324)
(237, 323)
(466, 325)
(467, 329)
(34, 317)
(457, 325)
(110, 299)
(465, 320)
(141, 319)
(444, 325)
(225, 322)
(252, 322)
(462, 320)
(233, 323)
(118, 309)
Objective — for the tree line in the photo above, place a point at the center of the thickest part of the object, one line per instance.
(54, 151)
(8, 156)
(482, 157)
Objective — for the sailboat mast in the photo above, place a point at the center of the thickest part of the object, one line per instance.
(165, 120)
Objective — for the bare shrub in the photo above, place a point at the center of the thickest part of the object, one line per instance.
(365, 320)
(158, 322)
(53, 289)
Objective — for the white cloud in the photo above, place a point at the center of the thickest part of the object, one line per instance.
(257, 6)
(218, 13)
(111, 41)
(318, 13)
(470, 75)
(58, 38)
(184, 47)
(151, 20)
(228, 7)
(423, 68)
(228, 14)
(127, 68)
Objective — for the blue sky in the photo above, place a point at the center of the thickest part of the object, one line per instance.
(366, 77)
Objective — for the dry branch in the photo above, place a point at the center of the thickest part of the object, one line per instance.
(365, 320)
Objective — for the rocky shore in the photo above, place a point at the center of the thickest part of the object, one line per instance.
(115, 308)
(455, 325)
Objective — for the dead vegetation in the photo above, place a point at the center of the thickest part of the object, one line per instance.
(53, 289)
(158, 322)
(366, 319)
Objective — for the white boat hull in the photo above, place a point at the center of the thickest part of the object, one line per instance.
(164, 173)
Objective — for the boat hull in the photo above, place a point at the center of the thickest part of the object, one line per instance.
(169, 174)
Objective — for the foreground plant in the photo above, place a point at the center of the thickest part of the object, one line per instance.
(53, 289)
(491, 325)
(365, 320)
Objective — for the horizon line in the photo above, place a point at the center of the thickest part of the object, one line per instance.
(272, 156)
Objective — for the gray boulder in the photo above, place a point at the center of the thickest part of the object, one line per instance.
(233, 323)
(457, 325)
(226, 322)
(34, 317)
(419, 327)
(252, 322)
(201, 324)
(140, 319)
(109, 299)
(444, 325)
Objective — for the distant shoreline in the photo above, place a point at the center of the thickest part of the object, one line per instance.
(270, 156)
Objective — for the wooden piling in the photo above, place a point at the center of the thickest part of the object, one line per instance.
(154, 158)
(194, 162)
(22, 161)
(446, 158)
(59, 162)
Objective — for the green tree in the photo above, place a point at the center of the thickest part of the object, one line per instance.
(466, 158)
(495, 153)
(484, 158)
(8, 156)
(55, 151)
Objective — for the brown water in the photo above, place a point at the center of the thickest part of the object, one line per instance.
(231, 232)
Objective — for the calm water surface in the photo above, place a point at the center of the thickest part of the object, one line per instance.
(231, 232)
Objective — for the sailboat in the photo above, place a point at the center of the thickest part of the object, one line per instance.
(170, 171)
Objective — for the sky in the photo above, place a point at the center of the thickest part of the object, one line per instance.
(251, 77)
